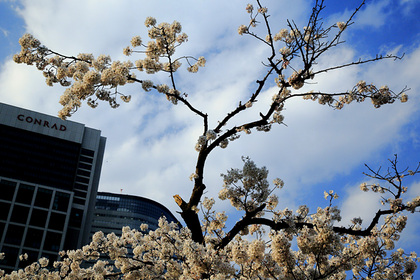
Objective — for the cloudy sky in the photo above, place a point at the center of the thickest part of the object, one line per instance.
(150, 143)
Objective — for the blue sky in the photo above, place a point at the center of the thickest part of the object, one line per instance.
(150, 147)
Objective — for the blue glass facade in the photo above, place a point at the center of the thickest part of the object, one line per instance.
(114, 211)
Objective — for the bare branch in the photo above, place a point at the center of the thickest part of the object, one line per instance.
(360, 61)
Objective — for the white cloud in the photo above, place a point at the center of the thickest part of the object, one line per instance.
(409, 7)
(411, 232)
(360, 204)
(5, 32)
(374, 15)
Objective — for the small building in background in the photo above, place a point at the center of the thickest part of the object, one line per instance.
(114, 211)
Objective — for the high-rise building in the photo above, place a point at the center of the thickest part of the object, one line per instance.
(49, 176)
(114, 211)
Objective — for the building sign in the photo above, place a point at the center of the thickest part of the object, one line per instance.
(44, 124)
(41, 122)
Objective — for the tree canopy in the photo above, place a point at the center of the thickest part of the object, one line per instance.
(266, 243)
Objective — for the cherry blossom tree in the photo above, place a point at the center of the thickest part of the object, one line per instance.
(266, 243)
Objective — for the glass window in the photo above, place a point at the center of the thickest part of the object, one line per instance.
(76, 217)
(52, 241)
(20, 214)
(4, 210)
(14, 235)
(83, 172)
(61, 201)
(87, 152)
(86, 159)
(25, 194)
(80, 201)
(80, 193)
(7, 189)
(38, 218)
(34, 238)
(57, 221)
(2, 225)
(12, 255)
(80, 186)
(72, 237)
(82, 180)
(43, 198)
(85, 166)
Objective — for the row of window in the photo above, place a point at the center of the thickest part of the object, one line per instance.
(15, 235)
(13, 253)
(37, 217)
(83, 176)
(30, 195)
(140, 207)
(31, 217)
(108, 198)
(113, 219)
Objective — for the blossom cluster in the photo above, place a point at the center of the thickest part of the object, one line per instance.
(360, 92)
(247, 188)
(209, 136)
(165, 39)
(296, 80)
(169, 252)
(91, 79)
(243, 29)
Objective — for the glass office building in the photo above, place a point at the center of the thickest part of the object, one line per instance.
(49, 176)
(114, 211)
